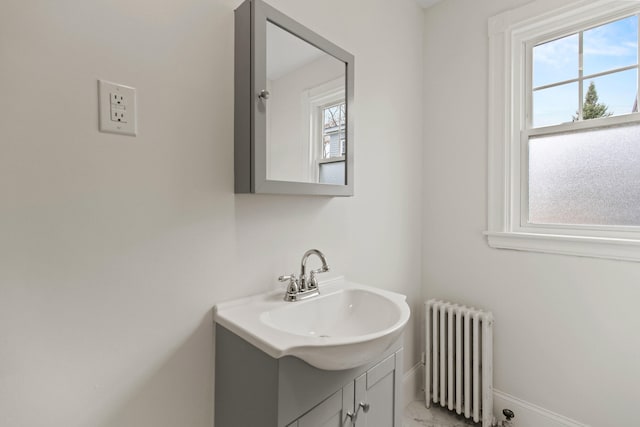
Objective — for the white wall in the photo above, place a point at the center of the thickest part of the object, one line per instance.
(113, 249)
(566, 331)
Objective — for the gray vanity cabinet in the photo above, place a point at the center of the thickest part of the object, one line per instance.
(254, 389)
(329, 413)
(377, 388)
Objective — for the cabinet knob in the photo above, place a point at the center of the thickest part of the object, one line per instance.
(354, 415)
(264, 94)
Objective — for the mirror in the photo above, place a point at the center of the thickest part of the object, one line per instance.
(294, 99)
(306, 111)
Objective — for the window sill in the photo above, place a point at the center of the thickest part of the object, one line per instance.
(595, 247)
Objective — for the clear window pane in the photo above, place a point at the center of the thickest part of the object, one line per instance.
(589, 178)
(555, 105)
(333, 130)
(556, 61)
(610, 95)
(611, 46)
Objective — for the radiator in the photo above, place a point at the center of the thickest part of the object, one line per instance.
(459, 360)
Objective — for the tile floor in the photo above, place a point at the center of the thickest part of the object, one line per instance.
(417, 415)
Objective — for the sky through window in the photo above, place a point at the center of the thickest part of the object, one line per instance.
(556, 71)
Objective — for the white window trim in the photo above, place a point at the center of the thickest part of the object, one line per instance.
(508, 33)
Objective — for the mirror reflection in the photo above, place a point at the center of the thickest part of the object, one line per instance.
(306, 111)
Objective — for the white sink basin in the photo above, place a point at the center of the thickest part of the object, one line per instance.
(344, 313)
(346, 326)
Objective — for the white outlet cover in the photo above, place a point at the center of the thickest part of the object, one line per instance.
(117, 108)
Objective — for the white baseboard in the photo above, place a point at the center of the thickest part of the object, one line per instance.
(412, 385)
(528, 414)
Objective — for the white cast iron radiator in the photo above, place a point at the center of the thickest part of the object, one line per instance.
(459, 360)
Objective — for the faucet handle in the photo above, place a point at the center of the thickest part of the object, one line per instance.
(322, 269)
(292, 287)
(292, 276)
(313, 280)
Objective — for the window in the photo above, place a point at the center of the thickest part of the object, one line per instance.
(331, 164)
(564, 130)
(334, 127)
(326, 114)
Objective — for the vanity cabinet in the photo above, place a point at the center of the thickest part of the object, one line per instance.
(376, 388)
(329, 413)
(254, 389)
(379, 387)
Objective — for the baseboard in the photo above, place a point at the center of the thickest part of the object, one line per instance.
(412, 385)
(528, 414)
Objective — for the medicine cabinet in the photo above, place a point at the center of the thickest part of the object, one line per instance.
(293, 107)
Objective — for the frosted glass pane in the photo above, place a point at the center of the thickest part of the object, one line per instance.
(589, 177)
(611, 46)
(555, 105)
(555, 61)
(332, 173)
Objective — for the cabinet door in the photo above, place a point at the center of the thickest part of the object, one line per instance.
(379, 388)
(330, 413)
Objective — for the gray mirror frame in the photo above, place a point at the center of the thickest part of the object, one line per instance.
(250, 115)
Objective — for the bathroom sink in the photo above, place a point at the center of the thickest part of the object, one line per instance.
(347, 325)
(344, 313)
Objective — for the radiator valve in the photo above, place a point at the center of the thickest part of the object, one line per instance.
(508, 414)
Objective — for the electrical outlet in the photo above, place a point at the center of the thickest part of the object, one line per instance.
(117, 99)
(118, 115)
(117, 105)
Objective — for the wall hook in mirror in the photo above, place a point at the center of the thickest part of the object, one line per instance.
(264, 94)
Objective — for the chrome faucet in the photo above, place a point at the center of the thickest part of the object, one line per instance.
(312, 281)
(304, 287)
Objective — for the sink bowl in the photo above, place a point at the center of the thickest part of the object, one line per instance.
(347, 325)
(345, 313)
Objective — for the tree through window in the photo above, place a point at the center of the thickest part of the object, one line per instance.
(592, 109)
